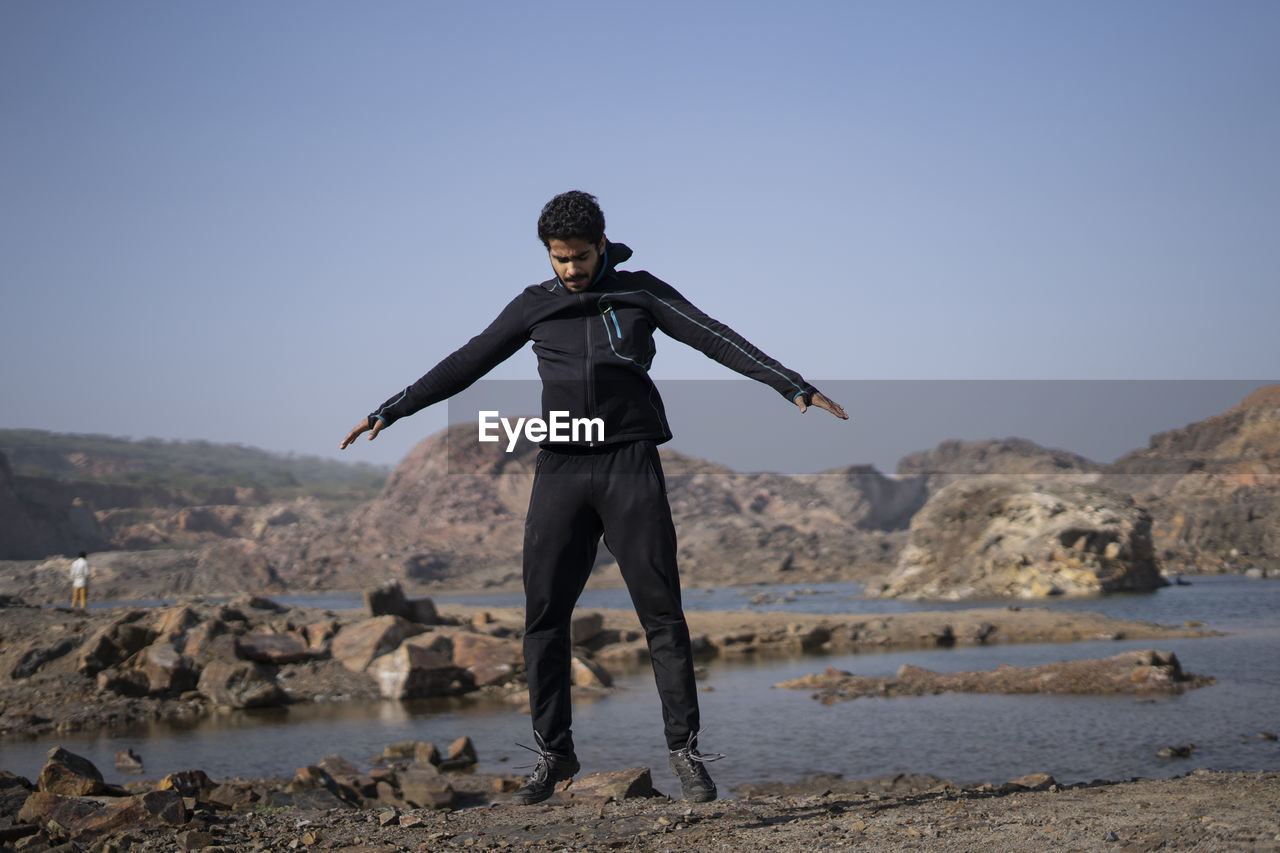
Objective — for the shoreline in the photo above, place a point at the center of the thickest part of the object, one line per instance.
(49, 646)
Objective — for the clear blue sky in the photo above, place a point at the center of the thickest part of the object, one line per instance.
(252, 222)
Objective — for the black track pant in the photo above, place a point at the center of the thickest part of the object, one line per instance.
(618, 491)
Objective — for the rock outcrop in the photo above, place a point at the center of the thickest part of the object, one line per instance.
(1138, 672)
(1002, 538)
(454, 509)
(1213, 488)
(40, 517)
(955, 460)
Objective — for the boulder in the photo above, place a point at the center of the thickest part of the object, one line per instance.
(423, 611)
(338, 767)
(188, 783)
(425, 789)
(194, 839)
(627, 655)
(387, 599)
(318, 635)
(167, 671)
(201, 642)
(172, 623)
(126, 681)
(128, 761)
(315, 778)
(427, 753)
(625, 784)
(489, 660)
(1032, 782)
(417, 751)
(229, 796)
(357, 644)
(584, 627)
(273, 648)
(70, 774)
(588, 673)
(80, 817)
(14, 791)
(241, 684)
(38, 657)
(114, 642)
(416, 672)
(462, 753)
(992, 538)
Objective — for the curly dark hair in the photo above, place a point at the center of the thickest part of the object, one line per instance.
(569, 215)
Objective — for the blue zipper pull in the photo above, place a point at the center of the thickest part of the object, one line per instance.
(614, 318)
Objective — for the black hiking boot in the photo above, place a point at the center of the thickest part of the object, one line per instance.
(690, 766)
(550, 769)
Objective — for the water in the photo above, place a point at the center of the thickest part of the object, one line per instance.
(785, 735)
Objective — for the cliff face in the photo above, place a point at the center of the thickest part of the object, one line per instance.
(1212, 488)
(452, 509)
(39, 517)
(453, 512)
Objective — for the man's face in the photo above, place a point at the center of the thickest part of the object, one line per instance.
(575, 261)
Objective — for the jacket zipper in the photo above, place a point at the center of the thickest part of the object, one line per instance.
(589, 364)
(614, 317)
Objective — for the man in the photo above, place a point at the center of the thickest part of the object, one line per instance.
(592, 331)
(80, 573)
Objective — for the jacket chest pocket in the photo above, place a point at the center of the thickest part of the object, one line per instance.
(629, 337)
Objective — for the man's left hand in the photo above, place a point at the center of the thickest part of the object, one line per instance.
(817, 398)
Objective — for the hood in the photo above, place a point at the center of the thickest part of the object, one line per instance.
(617, 253)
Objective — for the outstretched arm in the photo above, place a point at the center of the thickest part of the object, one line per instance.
(504, 336)
(685, 322)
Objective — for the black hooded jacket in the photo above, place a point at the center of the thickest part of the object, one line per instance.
(594, 349)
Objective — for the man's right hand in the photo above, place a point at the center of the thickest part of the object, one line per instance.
(363, 426)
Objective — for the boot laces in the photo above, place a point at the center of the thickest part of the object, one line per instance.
(542, 766)
(690, 750)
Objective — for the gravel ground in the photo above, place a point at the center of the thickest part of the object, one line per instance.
(1203, 811)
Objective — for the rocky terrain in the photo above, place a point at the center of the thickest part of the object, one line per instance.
(63, 670)
(451, 515)
(415, 801)
(453, 512)
(1213, 488)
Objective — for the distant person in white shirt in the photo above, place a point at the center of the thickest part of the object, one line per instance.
(80, 573)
